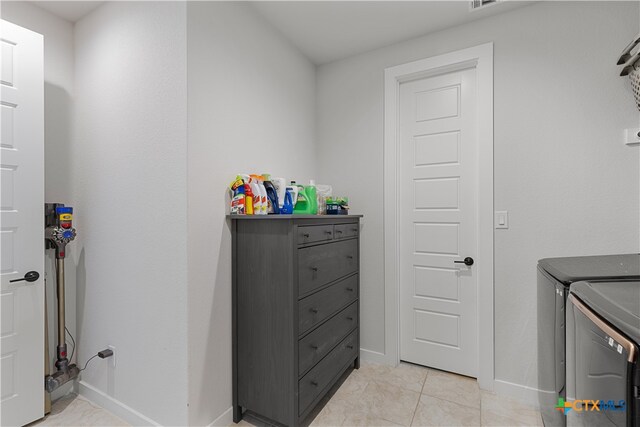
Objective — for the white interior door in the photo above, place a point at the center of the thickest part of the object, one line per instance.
(22, 224)
(438, 222)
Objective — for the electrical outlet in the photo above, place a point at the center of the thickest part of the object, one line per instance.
(113, 358)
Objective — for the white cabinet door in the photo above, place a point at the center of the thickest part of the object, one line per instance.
(21, 224)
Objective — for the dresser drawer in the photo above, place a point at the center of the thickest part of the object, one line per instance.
(341, 231)
(321, 305)
(319, 265)
(314, 233)
(324, 373)
(318, 343)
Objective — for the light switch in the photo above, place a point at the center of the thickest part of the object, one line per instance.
(502, 219)
(632, 136)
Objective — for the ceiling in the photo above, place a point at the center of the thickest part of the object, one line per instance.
(69, 10)
(326, 31)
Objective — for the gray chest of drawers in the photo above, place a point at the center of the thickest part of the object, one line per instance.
(295, 311)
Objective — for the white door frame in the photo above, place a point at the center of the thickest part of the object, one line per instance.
(480, 58)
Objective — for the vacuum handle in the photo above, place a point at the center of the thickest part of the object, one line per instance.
(31, 276)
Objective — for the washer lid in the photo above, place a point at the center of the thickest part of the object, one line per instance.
(616, 302)
(574, 269)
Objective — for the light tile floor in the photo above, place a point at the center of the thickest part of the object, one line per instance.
(74, 410)
(410, 395)
(374, 395)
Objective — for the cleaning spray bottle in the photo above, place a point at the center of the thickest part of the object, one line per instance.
(257, 196)
(263, 195)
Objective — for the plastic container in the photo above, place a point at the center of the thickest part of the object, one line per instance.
(264, 205)
(337, 206)
(257, 196)
(280, 185)
(272, 198)
(312, 197)
(238, 198)
(323, 191)
(248, 201)
(287, 204)
(294, 189)
(303, 207)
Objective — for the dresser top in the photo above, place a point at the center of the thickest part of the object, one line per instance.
(276, 217)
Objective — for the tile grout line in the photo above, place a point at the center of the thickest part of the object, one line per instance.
(453, 401)
(481, 424)
(419, 397)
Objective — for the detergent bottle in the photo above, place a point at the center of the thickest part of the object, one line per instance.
(272, 198)
(293, 188)
(280, 185)
(303, 205)
(312, 196)
(287, 204)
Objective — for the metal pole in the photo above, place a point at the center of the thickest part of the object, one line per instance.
(47, 362)
(61, 309)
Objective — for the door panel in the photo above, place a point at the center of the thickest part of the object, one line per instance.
(21, 232)
(438, 222)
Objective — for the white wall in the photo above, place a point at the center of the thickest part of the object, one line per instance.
(251, 109)
(129, 178)
(58, 88)
(561, 170)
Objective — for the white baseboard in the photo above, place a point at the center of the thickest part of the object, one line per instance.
(114, 406)
(374, 356)
(517, 392)
(226, 419)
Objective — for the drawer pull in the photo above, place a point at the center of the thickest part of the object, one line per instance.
(338, 231)
(313, 310)
(355, 230)
(305, 235)
(349, 318)
(314, 268)
(314, 383)
(349, 289)
(350, 347)
(315, 347)
(349, 256)
(327, 232)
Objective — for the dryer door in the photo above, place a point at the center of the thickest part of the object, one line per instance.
(603, 364)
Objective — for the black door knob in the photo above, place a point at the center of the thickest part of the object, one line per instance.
(467, 261)
(31, 276)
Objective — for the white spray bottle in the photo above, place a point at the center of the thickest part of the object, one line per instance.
(263, 195)
(257, 195)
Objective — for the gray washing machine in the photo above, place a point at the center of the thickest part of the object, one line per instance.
(604, 329)
(555, 275)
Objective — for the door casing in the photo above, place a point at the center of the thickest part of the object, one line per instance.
(481, 58)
